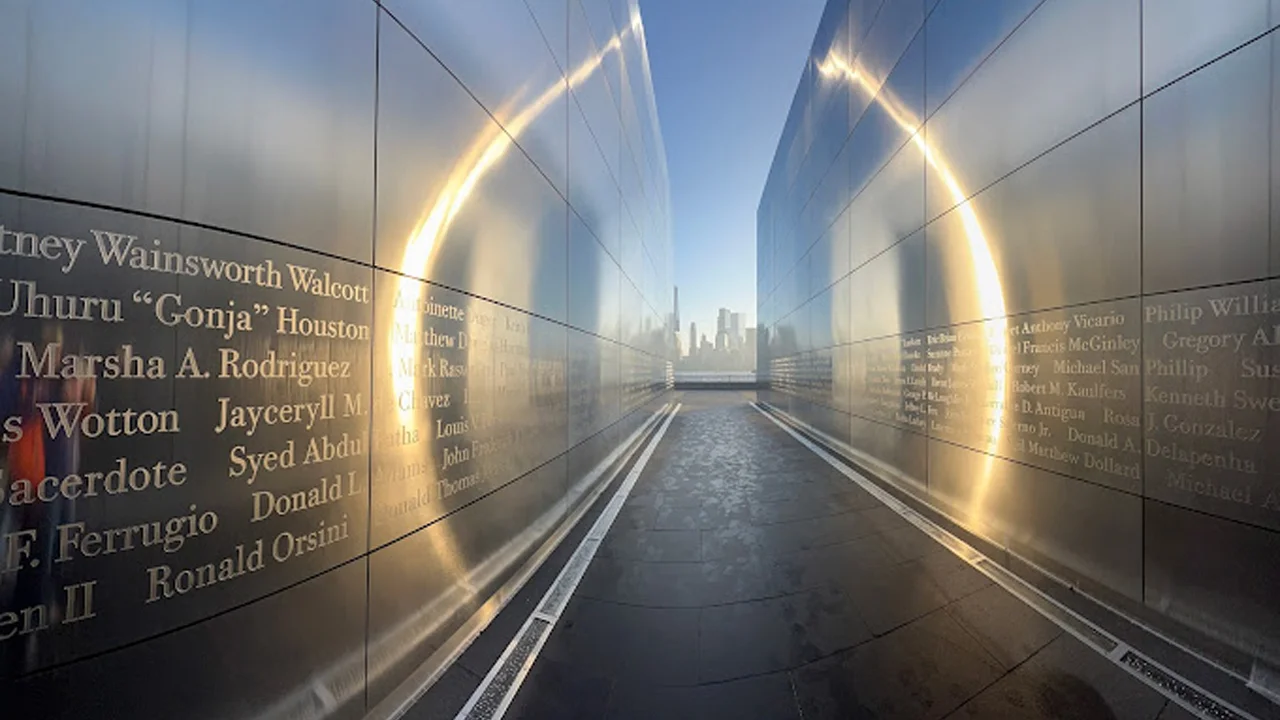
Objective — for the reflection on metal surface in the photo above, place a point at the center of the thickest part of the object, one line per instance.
(1064, 341)
(992, 355)
(487, 150)
(214, 440)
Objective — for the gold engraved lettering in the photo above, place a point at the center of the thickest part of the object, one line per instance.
(243, 461)
(308, 280)
(75, 540)
(27, 301)
(125, 250)
(1180, 480)
(288, 546)
(326, 491)
(303, 372)
(52, 363)
(1190, 456)
(1202, 344)
(164, 583)
(66, 419)
(1172, 312)
(248, 417)
(289, 322)
(50, 247)
(120, 480)
(228, 320)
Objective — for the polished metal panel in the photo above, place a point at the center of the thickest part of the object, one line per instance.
(272, 663)
(832, 38)
(886, 297)
(469, 210)
(593, 191)
(552, 17)
(890, 380)
(1211, 403)
(516, 78)
(1057, 389)
(890, 207)
(593, 382)
(842, 378)
(246, 115)
(832, 193)
(595, 284)
(1062, 230)
(424, 586)
(960, 35)
(186, 424)
(1179, 36)
(1085, 530)
(842, 311)
(1071, 63)
(1206, 196)
(894, 114)
(591, 89)
(821, 330)
(604, 28)
(469, 396)
(829, 257)
(894, 453)
(242, 400)
(896, 23)
(1219, 585)
(1060, 316)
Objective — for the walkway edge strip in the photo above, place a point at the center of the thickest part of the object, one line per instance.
(1118, 653)
(411, 690)
(499, 687)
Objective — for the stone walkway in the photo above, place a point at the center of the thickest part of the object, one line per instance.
(746, 578)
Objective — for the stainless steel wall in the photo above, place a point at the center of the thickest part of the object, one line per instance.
(1018, 258)
(317, 318)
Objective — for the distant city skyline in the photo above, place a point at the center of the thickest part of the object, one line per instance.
(724, 80)
(727, 345)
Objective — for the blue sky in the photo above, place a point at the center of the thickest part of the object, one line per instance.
(724, 72)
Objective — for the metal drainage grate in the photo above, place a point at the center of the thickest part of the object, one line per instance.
(569, 577)
(494, 696)
(499, 686)
(1198, 701)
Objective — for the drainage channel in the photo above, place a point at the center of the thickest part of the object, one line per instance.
(1179, 690)
(498, 688)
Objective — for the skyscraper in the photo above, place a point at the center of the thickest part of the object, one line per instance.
(722, 330)
(693, 338)
(676, 312)
(736, 322)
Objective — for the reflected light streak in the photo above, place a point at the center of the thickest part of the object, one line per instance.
(483, 155)
(990, 289)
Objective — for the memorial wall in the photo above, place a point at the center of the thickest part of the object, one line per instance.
(1019, 259)
(318, 318)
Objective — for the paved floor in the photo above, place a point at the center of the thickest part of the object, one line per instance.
(746, 578)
